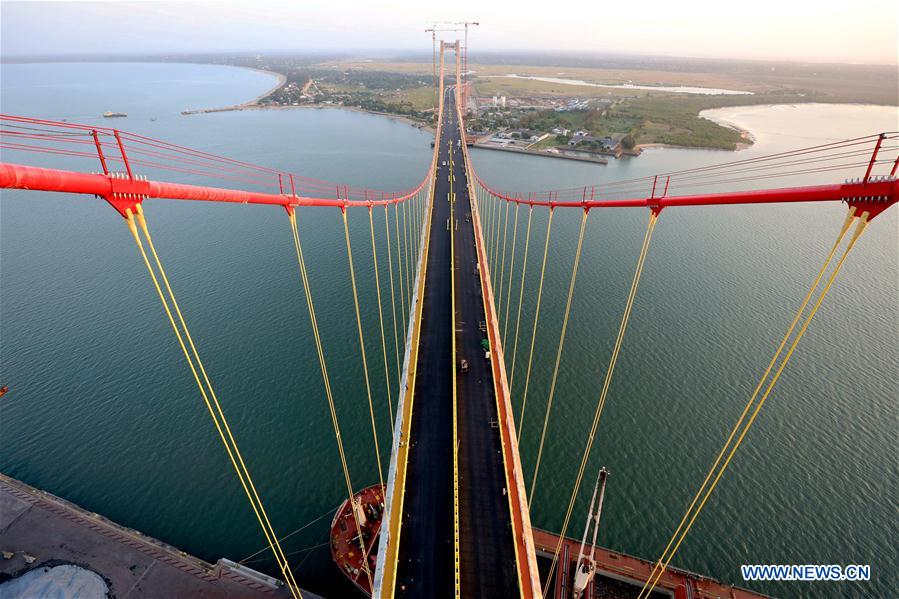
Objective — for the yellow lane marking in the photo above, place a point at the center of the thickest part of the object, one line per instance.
(388, 582)
(456, 532)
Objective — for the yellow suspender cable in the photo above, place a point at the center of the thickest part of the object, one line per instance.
(327, 382)
(374, 259)
(680, 534)
(371, 408)
(396, 343)
(413, 236)
(495, 253)
(527, 378)
(499, 246)
(218, 416)
(511, 270)
(410, 249)
(413, 228)
(502, 271)
(406, 253)
(552, 386)
(488, 201)
(758, 388)
(416, 236)
(401, 256)
(600, 404)
(399, 268)
(524, 270)
(419, 206)
(419, 226)
(491, 205)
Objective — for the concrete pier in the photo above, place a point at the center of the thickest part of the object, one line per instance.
(39, 529)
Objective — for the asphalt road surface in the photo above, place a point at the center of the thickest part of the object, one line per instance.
(426, 553)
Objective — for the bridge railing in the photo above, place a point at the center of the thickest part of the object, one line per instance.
(872, 159)
(525, 551)
(391, 529)
(124, 168)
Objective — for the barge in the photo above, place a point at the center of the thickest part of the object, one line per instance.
(614, 575)
(346, 548)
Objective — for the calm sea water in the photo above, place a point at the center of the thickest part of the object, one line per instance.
(104, 413)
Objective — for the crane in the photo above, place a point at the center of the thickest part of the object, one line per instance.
(453, 26)
(586, 565)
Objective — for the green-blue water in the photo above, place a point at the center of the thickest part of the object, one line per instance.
(103, 410)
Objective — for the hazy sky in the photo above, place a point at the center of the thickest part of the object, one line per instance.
(821, 30)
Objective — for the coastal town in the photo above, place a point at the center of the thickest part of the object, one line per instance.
(539, 125)
(554, 128)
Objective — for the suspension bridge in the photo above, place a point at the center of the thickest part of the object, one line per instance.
(453, 506)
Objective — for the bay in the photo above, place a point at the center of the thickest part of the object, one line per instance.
(102, 409)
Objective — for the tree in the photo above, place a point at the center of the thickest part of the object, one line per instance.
(628, 142)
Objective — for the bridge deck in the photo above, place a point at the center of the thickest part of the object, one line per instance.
(426, 547)
(488, 566)
(425, 555)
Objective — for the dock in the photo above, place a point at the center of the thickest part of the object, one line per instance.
(39, 530)
(561, 155)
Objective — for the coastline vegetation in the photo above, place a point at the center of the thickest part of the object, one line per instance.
(405, 94)
(405, 88)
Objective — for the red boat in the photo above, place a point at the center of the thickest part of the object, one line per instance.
(346, 549)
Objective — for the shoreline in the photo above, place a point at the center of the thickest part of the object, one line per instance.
(739, 146)
(255, 106)
(282, 79)
(598, 160)
(744, 133)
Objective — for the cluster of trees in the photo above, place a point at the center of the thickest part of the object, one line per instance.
(676, 121)
(370, 90)
(545, 120)
(373, 80)
(494, 119)
(379, 80)
(376, 102)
